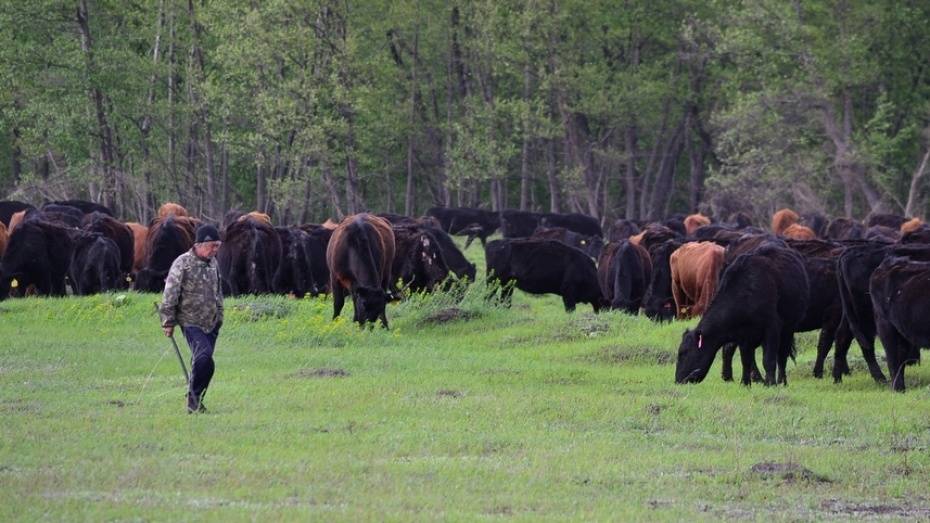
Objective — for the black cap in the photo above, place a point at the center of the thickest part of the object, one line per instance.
(207, 233)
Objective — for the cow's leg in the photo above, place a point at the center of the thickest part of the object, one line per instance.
(896, 349)
(786, 340)
(747, 356)
(824, 342)
(383, 317)
(339, 298)
(844, 338)
(770, 348)
(728, 351)
(471, 238)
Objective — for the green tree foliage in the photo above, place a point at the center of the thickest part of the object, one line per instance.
(320, 108)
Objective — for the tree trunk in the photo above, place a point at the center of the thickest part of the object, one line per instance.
(913, 194)
(525, 151)
(409, 192)
(631, 152)
(555, 196)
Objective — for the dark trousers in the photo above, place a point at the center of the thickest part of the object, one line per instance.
(202, 345)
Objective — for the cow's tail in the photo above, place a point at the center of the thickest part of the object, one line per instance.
(255, 268)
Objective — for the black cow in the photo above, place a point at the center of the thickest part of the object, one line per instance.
(543, 267)
(659, 303)
(892, 221)
(8, 208)
(249, 256)
(38, 253)
(168, 238)
(882, 233)
(84, 206)
(854, 270)
(744, 312)
(455, 260)
(575, 222)
(899, 289)
(64, 215)
(466, 221)
(319, 240)
(622, 229)
(418, 258)
(95, 264)
(917, 236)
(115, 230)
(815, 222)
(740, 220)
(519, 224)
(295, 269)
(624, 271)
(654, 234)
(591, 245)
(845, 229)
(677, 223)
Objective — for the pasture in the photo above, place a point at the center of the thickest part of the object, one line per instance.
(462, 411)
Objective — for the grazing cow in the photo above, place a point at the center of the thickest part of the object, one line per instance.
(168, 238)
(418, 258)
(8, 208)
(295, 269)
(591, 245)
(139, 235)
(845, 229)
(911, 225)
(84, 206)
(782, 219)
(544, 267)
(95, 264)
(892, 221)
(318, 242)
(694, 221)
(624, 271)
(659, 302)
(695, 270)
(654, 234)
(455, 260)
(115, 230)
(38, 254)
(462, 220)
(519, 224)
(761, 300)
(575, 222)
(249, 256)
(797, 231)
(622, 230)
(899, 288)
(359, 256)
(854, 269)
(171, 208)
(4, 238)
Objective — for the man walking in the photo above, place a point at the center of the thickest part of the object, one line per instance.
(193, 299)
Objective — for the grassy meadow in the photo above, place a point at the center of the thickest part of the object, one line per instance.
(476, 413)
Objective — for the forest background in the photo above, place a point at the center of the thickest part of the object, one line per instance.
(320, 108)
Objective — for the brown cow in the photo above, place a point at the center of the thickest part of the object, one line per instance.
(695, 270)
(171, 208)
(796, 231)
(694, 221)
(4, 238)
(911, 225)
(782, 219)
(139, 235)
(257, 216)
(359, 257)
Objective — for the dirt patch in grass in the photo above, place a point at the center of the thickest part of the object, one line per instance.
(872, 510)
(321, 373)
(117, 403)
(613, 355)
(781, 399)
(257, 311)
(788, 472)
(17, 405)
(448, 315)
(449, 393)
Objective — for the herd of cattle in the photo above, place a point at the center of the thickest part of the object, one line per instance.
(751, 286)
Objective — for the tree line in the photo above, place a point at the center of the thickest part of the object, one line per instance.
(320, 108)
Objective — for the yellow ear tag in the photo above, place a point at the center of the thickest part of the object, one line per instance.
(14, 283)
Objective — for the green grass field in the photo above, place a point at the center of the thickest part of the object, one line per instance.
(528, 414)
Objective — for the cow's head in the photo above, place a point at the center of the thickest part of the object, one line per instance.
(369, 304)
(694, 357)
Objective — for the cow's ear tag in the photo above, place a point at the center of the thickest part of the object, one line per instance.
(700, 340)
(14, 283)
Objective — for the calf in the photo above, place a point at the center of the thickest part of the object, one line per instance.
(167, 239)
(294, 274)
(359, 256)
(899, 288)
(624, 271)
(659, 302)
(761, 300)
(543, 267)
(695, 269)
(115, 230)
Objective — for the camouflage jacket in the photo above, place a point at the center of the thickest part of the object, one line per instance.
(193, 295)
